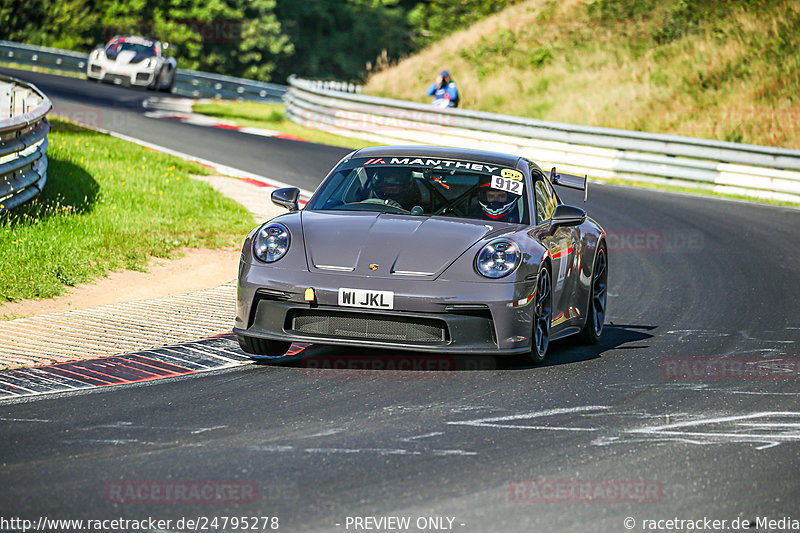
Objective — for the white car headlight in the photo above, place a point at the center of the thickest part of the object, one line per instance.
(271, 242)
(498, 258)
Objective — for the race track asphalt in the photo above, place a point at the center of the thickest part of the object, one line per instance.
(493, 444)
(121, 110)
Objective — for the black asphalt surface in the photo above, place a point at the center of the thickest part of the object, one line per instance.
(492, 444)
(121, 110)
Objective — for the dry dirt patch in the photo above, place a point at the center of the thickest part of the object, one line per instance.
(192, 270)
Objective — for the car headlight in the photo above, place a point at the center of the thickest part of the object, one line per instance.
(498, 258)
(271, 242)
(151, 62)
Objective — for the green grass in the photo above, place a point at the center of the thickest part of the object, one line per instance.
(108, 205)
(272, 117)
(703, 68)
(39, 68)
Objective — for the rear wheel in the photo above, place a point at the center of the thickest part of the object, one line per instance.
(542, 313)
(260, 349)
(596, 311)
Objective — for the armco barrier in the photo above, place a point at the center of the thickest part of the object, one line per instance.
(605, 153)
(191, 83)
(23, 141)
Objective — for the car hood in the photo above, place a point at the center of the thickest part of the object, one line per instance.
(127, 57)
(400, 245)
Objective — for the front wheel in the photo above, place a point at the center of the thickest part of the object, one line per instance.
(542, 313)
(261, 349)
(168, 85)
(596, 310)
(155, 85)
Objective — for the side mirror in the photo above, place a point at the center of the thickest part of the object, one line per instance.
(568, 215)
(287, 197)
(165, 46)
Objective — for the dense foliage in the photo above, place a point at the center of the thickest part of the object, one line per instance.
(433, 20)
(336, 39)
(260, 39)
(236, 37)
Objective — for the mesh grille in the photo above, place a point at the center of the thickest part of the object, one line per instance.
(369, 326)
(116, 77)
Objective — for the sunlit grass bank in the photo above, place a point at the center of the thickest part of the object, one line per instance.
(719, 70)
(108, 205)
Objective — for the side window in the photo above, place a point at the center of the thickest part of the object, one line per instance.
(545, 198)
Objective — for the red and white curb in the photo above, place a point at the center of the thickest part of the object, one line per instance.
(255, 179)
(181, 109)
(214, 353)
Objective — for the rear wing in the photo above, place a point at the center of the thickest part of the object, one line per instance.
(571, 182)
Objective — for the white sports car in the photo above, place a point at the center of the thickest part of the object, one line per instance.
(133, 61)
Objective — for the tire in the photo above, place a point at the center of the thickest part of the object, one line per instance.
(260, 349)
(596, 310)
(542, 315)
(156, 83)
(168, 88)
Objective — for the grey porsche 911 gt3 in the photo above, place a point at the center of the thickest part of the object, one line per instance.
(426, 249)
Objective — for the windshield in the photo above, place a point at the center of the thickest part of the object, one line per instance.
(141, 50)
(425, 187)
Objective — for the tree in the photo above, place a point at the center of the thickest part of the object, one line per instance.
(433, 19)
(335, 39)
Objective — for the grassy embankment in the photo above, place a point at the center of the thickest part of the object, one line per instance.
(272, 117)
(108, 204)
(719, 70)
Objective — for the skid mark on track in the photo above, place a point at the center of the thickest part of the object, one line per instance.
(505, 421)
(325, 433)
(765, 428)
(424, 436)
(131, 425)
(770, 428)
(332, 450)
(763, 343)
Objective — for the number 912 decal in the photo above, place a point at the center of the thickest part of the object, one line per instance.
(508, 185)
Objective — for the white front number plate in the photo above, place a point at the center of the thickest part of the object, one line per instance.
(362, 298)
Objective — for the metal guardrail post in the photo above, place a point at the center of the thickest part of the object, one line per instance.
(6, 101)
(23, 142)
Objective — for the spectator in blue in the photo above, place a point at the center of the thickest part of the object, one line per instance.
(444, 91)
